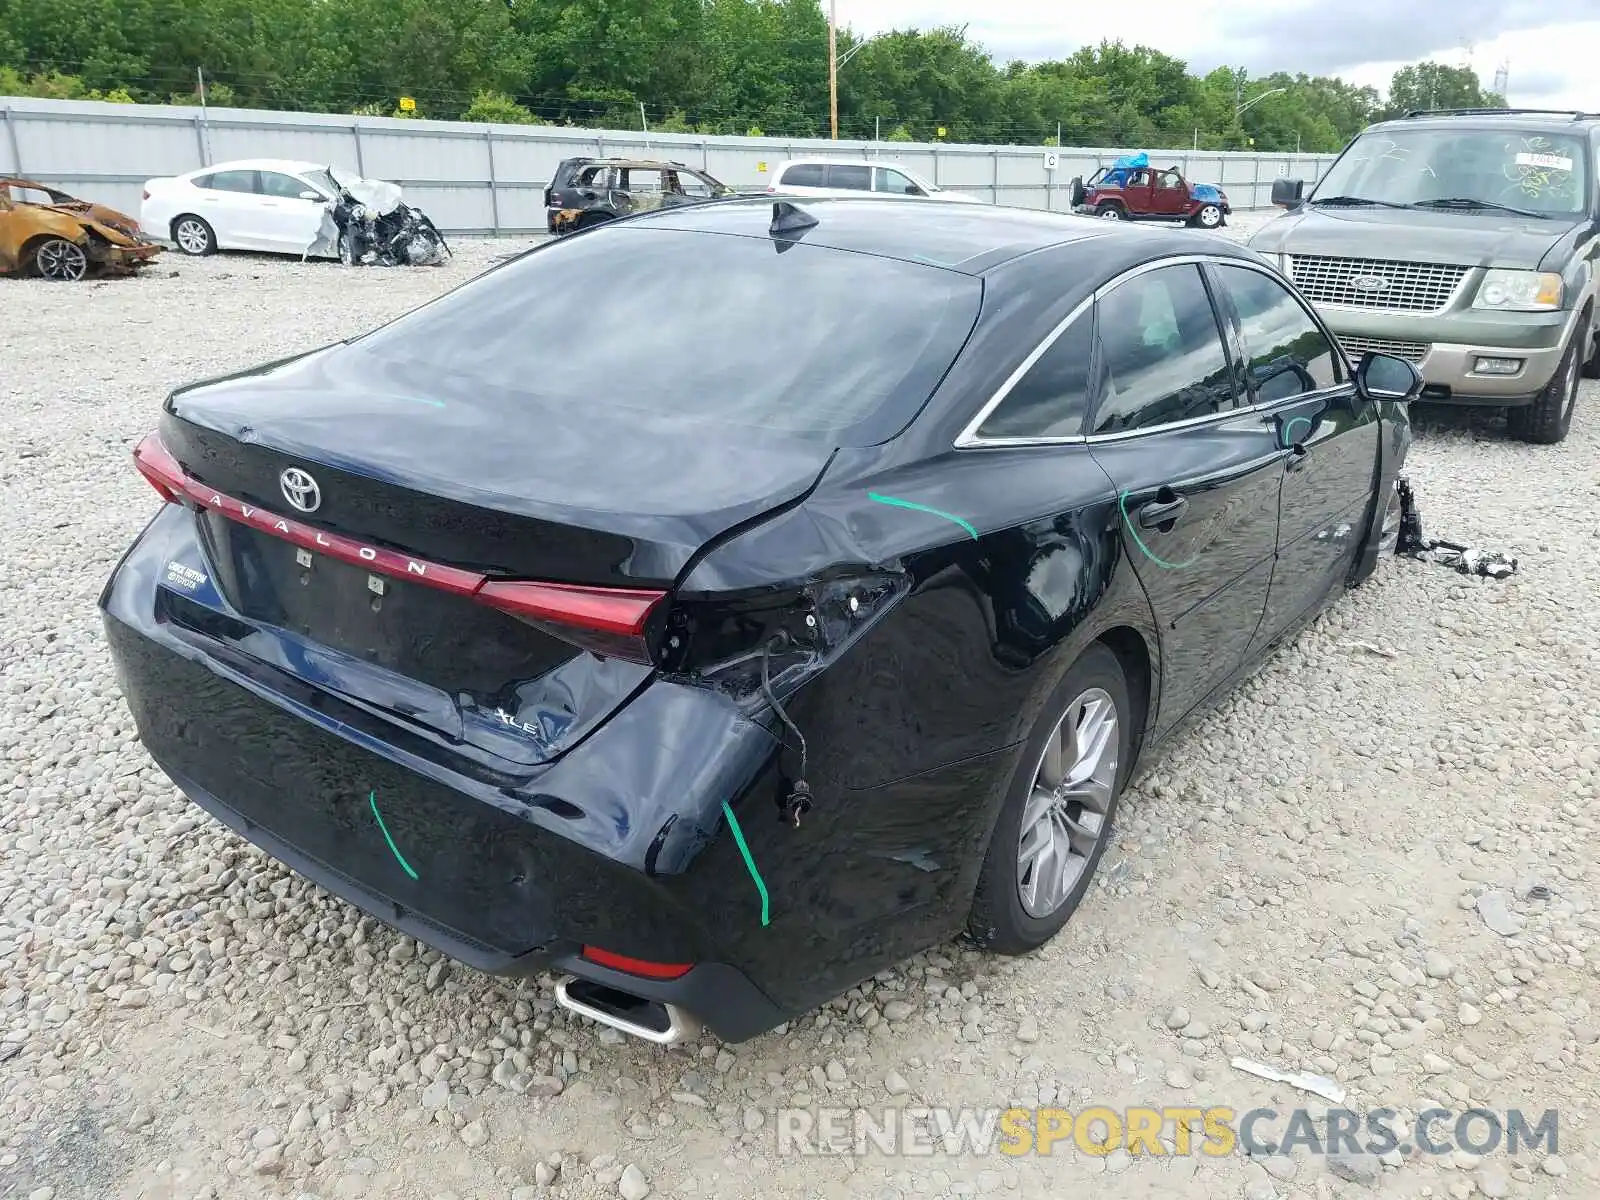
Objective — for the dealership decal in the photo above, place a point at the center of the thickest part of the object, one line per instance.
(184, 577)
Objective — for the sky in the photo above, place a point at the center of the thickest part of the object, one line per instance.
(1552, 46)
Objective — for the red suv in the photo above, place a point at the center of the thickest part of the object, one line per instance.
(1149, 194)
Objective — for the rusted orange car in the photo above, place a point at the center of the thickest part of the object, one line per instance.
(50, 234)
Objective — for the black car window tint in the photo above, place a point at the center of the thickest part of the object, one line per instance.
(1288, 353)
(1162, 351)
(853, 178)
(1052, 399)
(285, 187)
(804, 175)
(233, 181)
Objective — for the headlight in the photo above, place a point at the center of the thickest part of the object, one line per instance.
(1519, 291)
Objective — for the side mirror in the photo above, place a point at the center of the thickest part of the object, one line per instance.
(1287, 193)
(311, 196)
(1384, 377)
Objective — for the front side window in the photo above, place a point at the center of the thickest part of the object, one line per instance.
(1448, 167)
(850, 177)
(1288, 353)
(1052, 399)
(896, 183)
(285, 187)
(1162, 352)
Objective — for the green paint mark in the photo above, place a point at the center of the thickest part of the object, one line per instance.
(915, 507)
(420, 400)
(1122, 504)
(749, 863)
(372, 799)
(1288, 439)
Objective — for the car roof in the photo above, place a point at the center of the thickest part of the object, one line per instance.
(293, 166)
(970, 238)
(632, 162)
(1491, 118)
(844, 162)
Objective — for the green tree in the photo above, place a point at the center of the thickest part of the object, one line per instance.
(1427, 85)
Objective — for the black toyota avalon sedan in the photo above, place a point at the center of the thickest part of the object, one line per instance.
(805, 601)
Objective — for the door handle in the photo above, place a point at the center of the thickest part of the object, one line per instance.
(1298, 457)
(1160, 512)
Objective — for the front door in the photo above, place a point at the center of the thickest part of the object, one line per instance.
(289, 222)
(1136, 193)
(1171, 195)
(1330, 435)
(1197, 479)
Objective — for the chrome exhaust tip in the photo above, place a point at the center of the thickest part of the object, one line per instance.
(663, 1024)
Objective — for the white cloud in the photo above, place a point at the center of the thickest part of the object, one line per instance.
(1551, 60)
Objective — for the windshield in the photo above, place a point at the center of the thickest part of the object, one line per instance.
(776, 337)
(323, 181)
(1543, 174)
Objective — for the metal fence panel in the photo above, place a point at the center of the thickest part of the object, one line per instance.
(481, 178)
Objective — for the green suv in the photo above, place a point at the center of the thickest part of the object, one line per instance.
(1464, 240)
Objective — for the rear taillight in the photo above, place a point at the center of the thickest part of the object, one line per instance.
(609, 621)
(614, 622)
(641, 967)
(158, 466)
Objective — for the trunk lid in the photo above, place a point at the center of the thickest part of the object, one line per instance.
(441, 489)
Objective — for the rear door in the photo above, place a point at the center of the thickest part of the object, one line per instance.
(1330, 436)
(849, 177)
(1197, 478)
(230, 205)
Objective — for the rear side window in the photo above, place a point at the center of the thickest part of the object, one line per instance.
(228, 181)
(856, 179)
(1288, 353)
(1162, 351)
(694, 328)
(804, 175)
(1052, 399)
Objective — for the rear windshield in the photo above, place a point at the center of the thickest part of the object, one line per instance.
(727, 330)
(1542, 174)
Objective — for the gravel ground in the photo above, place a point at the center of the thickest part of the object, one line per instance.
(1298, 882)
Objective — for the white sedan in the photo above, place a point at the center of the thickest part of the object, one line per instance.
(254, 204)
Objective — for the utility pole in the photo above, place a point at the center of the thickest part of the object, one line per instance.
(833, 68)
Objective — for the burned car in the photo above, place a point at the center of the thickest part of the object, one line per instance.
(588, 191)
(60, 237)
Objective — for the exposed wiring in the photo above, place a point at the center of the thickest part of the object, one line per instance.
(798, 802)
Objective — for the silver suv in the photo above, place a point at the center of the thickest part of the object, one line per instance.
(1464, 240)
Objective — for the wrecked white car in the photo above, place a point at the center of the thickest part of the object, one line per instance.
(288, 207)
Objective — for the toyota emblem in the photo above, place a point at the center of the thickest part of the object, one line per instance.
(300, 490)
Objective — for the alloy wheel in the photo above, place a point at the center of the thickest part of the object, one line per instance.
(61, 261)
(1064, 818)
(1111, 213)
(1210, 216)
(192, 237)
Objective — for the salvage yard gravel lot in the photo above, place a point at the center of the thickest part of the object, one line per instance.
(1296, 883)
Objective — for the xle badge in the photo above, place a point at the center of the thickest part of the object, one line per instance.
(372, 799)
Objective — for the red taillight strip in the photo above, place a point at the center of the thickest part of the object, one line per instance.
(621, 611)
(641, 967)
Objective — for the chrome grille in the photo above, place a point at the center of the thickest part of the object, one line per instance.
(1355, 347)
(1404, 287)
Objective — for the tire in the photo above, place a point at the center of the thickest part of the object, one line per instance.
(1077, 191)
(1002, 918)
(347, 254)
(1591, 365)
(193, 236)
(1207, 216)
(1110, 212)
(1546, 421)
(59, 260)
